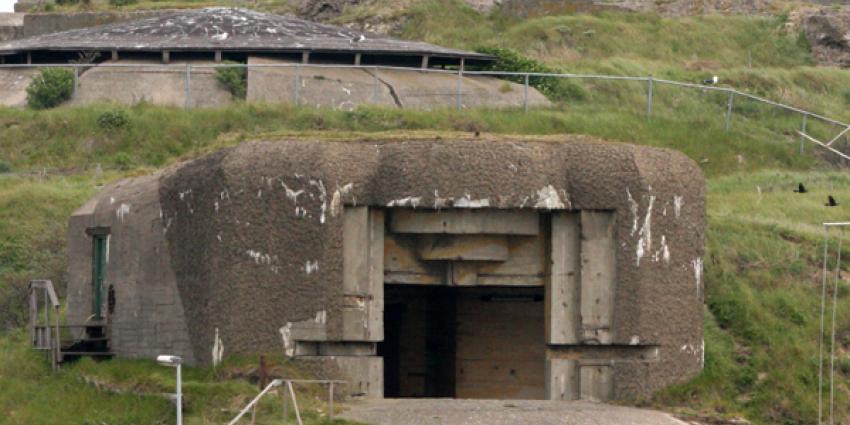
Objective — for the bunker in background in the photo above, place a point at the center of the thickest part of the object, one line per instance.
(422, 268)
(289, 61)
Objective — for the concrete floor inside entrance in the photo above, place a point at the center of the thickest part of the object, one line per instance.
(463, 342)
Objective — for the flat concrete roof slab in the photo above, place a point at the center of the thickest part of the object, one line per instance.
(229, 29)
(500, 412)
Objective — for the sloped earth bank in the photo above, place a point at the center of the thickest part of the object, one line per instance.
(500, 412)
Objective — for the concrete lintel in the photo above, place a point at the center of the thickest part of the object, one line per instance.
(604, 353)
(466, 221)
(463, 247)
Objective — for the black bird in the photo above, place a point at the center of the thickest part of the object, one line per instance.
(801, 189)
(711, 81)
(477, 133)
(831, 202)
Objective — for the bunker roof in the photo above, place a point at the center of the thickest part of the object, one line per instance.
(229, 29)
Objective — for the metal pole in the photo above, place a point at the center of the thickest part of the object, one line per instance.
(331, 400)
(729, 103)
(376, 95)
(188, 85)
(294, 402)
(649, 98)
(459, 85)
(803, 129)
(179, 397)
(525, 94)
(76, 81)
(832, 344)
(822, 315)
(297, 83)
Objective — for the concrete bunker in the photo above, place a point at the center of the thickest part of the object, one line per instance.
(508, 269)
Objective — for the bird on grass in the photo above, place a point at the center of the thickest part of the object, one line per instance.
(831, 202)
(800, 189)
(711, 81)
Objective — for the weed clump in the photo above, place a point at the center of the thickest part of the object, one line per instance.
(113, 120)
(50, 88)
(234, 79)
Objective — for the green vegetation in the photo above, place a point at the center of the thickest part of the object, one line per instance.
(234, 79)
(132, 391)
(50, 88)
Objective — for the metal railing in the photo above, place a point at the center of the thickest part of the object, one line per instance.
(289, 389)
(456, 98)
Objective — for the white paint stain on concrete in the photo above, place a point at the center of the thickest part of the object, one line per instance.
(183, 194)
(698, 265)
(440, 202)
(409, 201)
(336, 199)
(644, 243)
(635, 340)
(323, 197)
(217, 349)
(311, 267)
(122, 212)
(286, 336)
(663, 252)
(467, 201)
(678, 202)
(259, 257)
(548, 198)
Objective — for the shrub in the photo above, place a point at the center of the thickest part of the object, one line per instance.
(50, 88)
(557, 89)
(122, 2)
(123, 161)
(234, 79)
(111, 120)
(4, 167)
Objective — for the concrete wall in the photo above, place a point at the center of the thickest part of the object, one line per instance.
(43, 23)
(154, 83)
(346, 88)
(13, 85)
(11, 26)
(252, 240)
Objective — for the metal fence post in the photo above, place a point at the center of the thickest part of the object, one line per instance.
(803, 130)
(297, 92)
(729, 104)
(649, 97)
(331, 400)
(188, 85)
(376, 95)
(525, 95)
(459, 87)
(76, 81)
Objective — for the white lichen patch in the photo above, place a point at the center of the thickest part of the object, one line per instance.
(336, 199)
(678, 202)
(644, 243)
(259, 257)
(633, 207)
(217, 349)
(548, 198)
(635, 340)
(663, 252)
(122, 212)
(697, 265)
(311, 267)
(409, 201)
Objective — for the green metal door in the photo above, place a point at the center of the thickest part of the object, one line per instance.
(98, 270)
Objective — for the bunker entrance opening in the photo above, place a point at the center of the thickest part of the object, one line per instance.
(464, 342)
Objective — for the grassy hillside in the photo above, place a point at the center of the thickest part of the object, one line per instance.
(762, 270)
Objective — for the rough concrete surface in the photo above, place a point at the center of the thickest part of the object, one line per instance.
(341, 88)
(827, 30)
(13, 85)
(150, 81)
(499, 412)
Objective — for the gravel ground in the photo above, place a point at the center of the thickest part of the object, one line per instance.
(499, 412)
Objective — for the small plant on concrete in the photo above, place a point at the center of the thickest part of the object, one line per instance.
(112, 120)
(50, 88)
(234, 79)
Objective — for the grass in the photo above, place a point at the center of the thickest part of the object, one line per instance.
(124, 391)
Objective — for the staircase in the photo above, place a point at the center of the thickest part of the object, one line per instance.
(63, 343)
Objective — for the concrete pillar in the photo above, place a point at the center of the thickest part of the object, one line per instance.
(218, 56)
(598, 276)
(114, 55)
(363, 274)
(357, 58)
(425, 61)
(562, 307)
(29, 58)
(305, 57)
(166, 56)
(562, 379)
